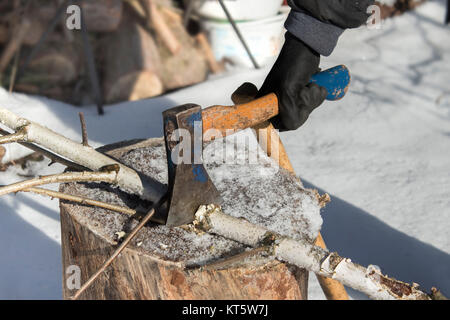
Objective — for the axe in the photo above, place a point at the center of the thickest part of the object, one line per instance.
(189, 184)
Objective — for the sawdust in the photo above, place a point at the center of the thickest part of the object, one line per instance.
(259, 192)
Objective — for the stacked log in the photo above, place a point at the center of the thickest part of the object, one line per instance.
(132, 63)
(141, 50)
(394, 8)
(189, 65)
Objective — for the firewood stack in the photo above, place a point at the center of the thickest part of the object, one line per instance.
(141, 50)
(394, 8)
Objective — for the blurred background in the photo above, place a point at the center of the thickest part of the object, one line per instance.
(135, 49)
(382, 152)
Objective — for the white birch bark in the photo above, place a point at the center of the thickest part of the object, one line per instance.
(303, 254)
(127, 179)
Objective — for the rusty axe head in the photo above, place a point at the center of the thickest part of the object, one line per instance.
(189, 184)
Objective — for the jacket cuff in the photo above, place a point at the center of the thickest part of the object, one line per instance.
(320, 36)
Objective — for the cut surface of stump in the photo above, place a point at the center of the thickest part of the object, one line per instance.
(168, 263)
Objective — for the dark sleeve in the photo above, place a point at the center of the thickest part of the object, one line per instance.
(319, 23)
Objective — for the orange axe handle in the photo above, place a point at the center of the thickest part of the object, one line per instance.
(241, 116)
(335, 80)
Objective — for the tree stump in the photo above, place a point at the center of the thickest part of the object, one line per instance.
(171, 263)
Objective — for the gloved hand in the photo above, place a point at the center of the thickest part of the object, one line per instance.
(289, 80)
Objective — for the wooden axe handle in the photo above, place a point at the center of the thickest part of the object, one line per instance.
(247, 115)
(240, 117)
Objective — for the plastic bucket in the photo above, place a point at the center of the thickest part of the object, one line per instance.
(239, 9)
(264, 38)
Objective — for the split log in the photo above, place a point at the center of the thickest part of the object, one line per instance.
(204, 45)
(3, 34)
(156, 21)
(57, 63)
(102, 15)
(52, 72)
(397, 7)
(14, 43)
(172, 263)
(37, 29)
(132, 64)
(189, 66)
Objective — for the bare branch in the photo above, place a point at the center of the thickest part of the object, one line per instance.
(306, 255)
(237, 258)
(110, 177)
(81, 200)
(110, 260)
(19, 136)
(84, 134)
(12, 78)
(48, 154)
(127, 179)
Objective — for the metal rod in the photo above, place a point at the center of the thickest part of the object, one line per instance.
(92, 70)
(238, 33)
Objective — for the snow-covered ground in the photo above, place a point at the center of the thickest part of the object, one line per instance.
(382, 153)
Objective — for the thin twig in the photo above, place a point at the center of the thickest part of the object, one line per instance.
(109, 176)
(110, 260)
(52, 156)
(12, 78)
(436, 294)
(81, 200)
(35, 156)
(84, 130)
(239, 257)
(18, 136)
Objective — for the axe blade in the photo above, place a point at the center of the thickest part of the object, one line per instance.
(189, 184)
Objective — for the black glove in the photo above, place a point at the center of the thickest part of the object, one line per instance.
(289, 80)
(342, 13)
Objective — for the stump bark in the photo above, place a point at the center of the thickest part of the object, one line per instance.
(162, 262)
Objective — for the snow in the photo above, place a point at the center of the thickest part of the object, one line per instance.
(260, 192)
(289, 210)
(382, 153)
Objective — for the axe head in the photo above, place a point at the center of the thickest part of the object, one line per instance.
(189, 184)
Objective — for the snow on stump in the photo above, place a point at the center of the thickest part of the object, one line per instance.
(182, 262)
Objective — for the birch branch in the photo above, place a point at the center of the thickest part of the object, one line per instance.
(303, 254)
(13, 137)
(48, 154)
(80, 200)
(109, 176)
(127, 179)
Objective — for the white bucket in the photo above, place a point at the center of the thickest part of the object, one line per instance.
(239, 9)
(264, 37)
